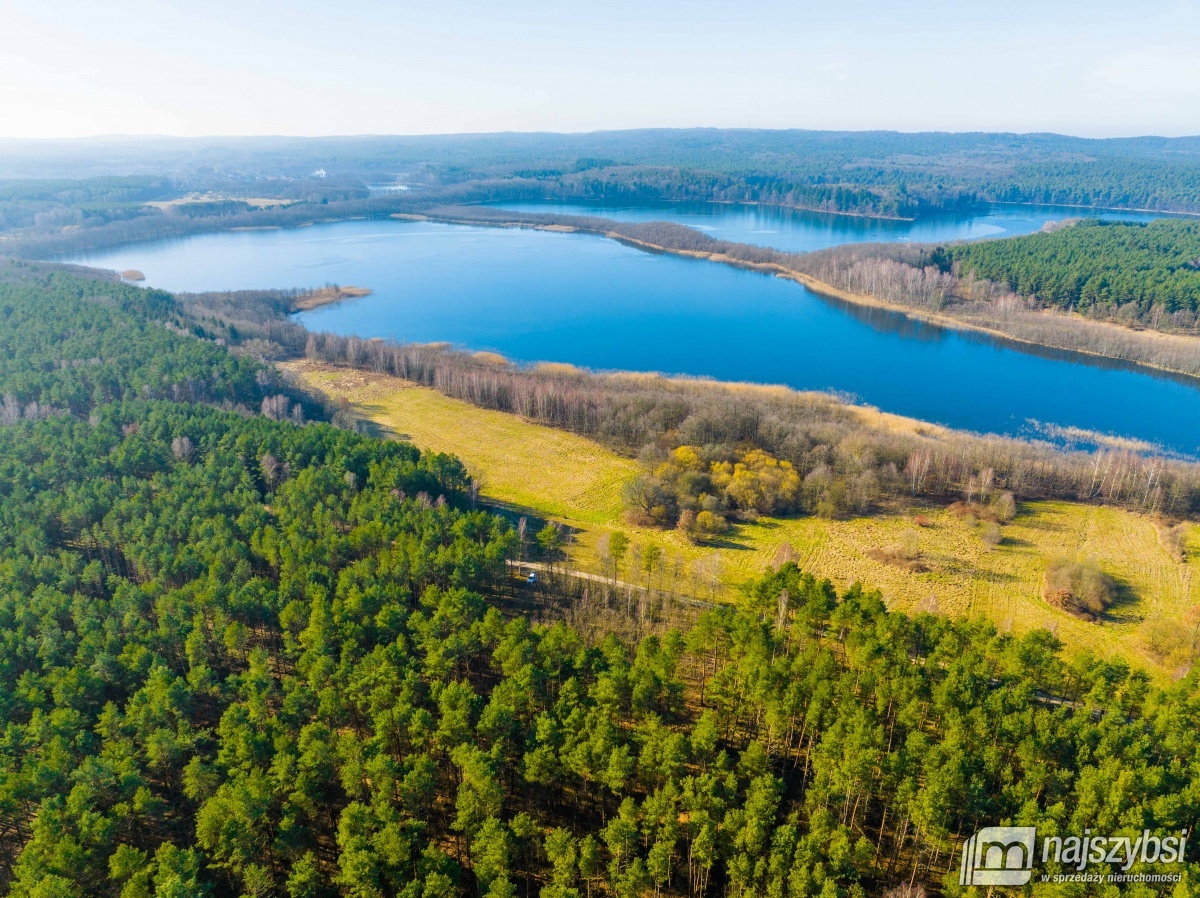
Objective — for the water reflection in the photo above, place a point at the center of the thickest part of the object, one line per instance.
(802, 231)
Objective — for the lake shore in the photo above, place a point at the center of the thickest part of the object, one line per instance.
(1163, 212)
(327, 296)
(812, 210)
(1152, 342)
(572, 299)
(939, 319)
(815, 211)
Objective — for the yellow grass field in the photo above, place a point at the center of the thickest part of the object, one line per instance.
(576, 481)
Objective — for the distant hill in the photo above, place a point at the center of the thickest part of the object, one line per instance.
(871, 172)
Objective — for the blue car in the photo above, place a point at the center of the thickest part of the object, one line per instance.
(532, 579)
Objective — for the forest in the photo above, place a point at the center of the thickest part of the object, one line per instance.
(247, 652)
(1094, 265)
(62, 197)
(90, 211)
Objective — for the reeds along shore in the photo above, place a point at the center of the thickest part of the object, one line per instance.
(897, 276)
(328, 295)
(849, 458)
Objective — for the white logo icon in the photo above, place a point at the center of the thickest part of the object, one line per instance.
(998, 856)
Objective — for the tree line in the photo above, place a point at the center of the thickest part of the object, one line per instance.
(845, 463)
(1140, 271)
(41, 209)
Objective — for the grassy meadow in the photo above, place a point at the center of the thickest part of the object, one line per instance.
(576, 481)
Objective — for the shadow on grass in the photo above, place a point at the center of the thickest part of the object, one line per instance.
(1039, 522)
(378, 431)
(373, 428)
(1122, 610)
(768, 523)
(727, 543)
(734, 540)
(963, 568)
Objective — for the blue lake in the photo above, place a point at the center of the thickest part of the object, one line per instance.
(534, 295)
(800, 231)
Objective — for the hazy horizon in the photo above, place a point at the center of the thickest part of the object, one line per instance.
(140, 68)
(383, 135)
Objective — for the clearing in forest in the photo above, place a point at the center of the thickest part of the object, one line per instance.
(565, 477)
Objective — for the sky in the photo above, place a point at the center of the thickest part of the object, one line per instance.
(77, 68)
